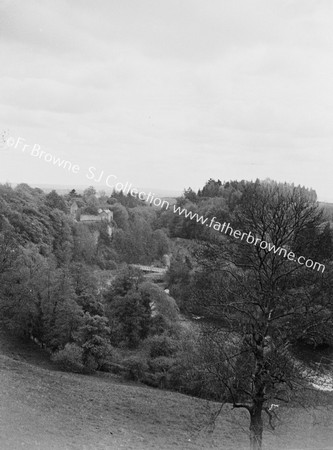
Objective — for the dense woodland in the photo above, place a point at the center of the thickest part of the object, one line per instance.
(70, 287)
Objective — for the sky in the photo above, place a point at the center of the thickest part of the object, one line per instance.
(167, 94)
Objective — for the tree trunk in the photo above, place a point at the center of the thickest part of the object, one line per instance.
(256, 427)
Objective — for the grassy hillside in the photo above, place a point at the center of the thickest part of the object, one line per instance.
(42, 408)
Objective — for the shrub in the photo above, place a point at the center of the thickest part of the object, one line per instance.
(111, 265)
(161, 373)
(158, 325)
(112, 362)
(164, 305)
(96, 353)
(69, 358)
(161, 364)
(153, 380)
(115, 368)
(161, 346)
(135, 368)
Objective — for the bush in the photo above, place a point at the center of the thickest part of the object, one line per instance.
(112, 362)
(115, 368)
(160, 368)
(69, 358)
(158, 325)
(164, 305)
(161, 346)
(161, 364)
(111, 265)
(96, 353)
(106, 264)
(135, 368)
(90, 364)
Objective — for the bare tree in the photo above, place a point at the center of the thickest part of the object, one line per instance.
(263, 302)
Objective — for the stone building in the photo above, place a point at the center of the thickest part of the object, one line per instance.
(104, 215)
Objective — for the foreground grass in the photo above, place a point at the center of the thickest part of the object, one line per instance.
(42, 408)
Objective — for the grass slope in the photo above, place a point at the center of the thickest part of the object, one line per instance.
(42, 408)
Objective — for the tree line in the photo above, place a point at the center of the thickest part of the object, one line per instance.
(254, 305)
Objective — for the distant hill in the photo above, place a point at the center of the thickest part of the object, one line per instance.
(64, 189)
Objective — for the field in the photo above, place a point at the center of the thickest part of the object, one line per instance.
(43, 408)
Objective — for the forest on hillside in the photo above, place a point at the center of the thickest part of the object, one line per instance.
(70, 286)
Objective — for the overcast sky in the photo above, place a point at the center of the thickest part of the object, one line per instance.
(169, 93)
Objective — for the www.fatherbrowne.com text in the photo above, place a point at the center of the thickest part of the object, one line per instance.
(151, 199)
(250, 238)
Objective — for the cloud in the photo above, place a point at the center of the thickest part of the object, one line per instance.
(174, 92)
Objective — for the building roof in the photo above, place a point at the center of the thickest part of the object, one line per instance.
(90, 218)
